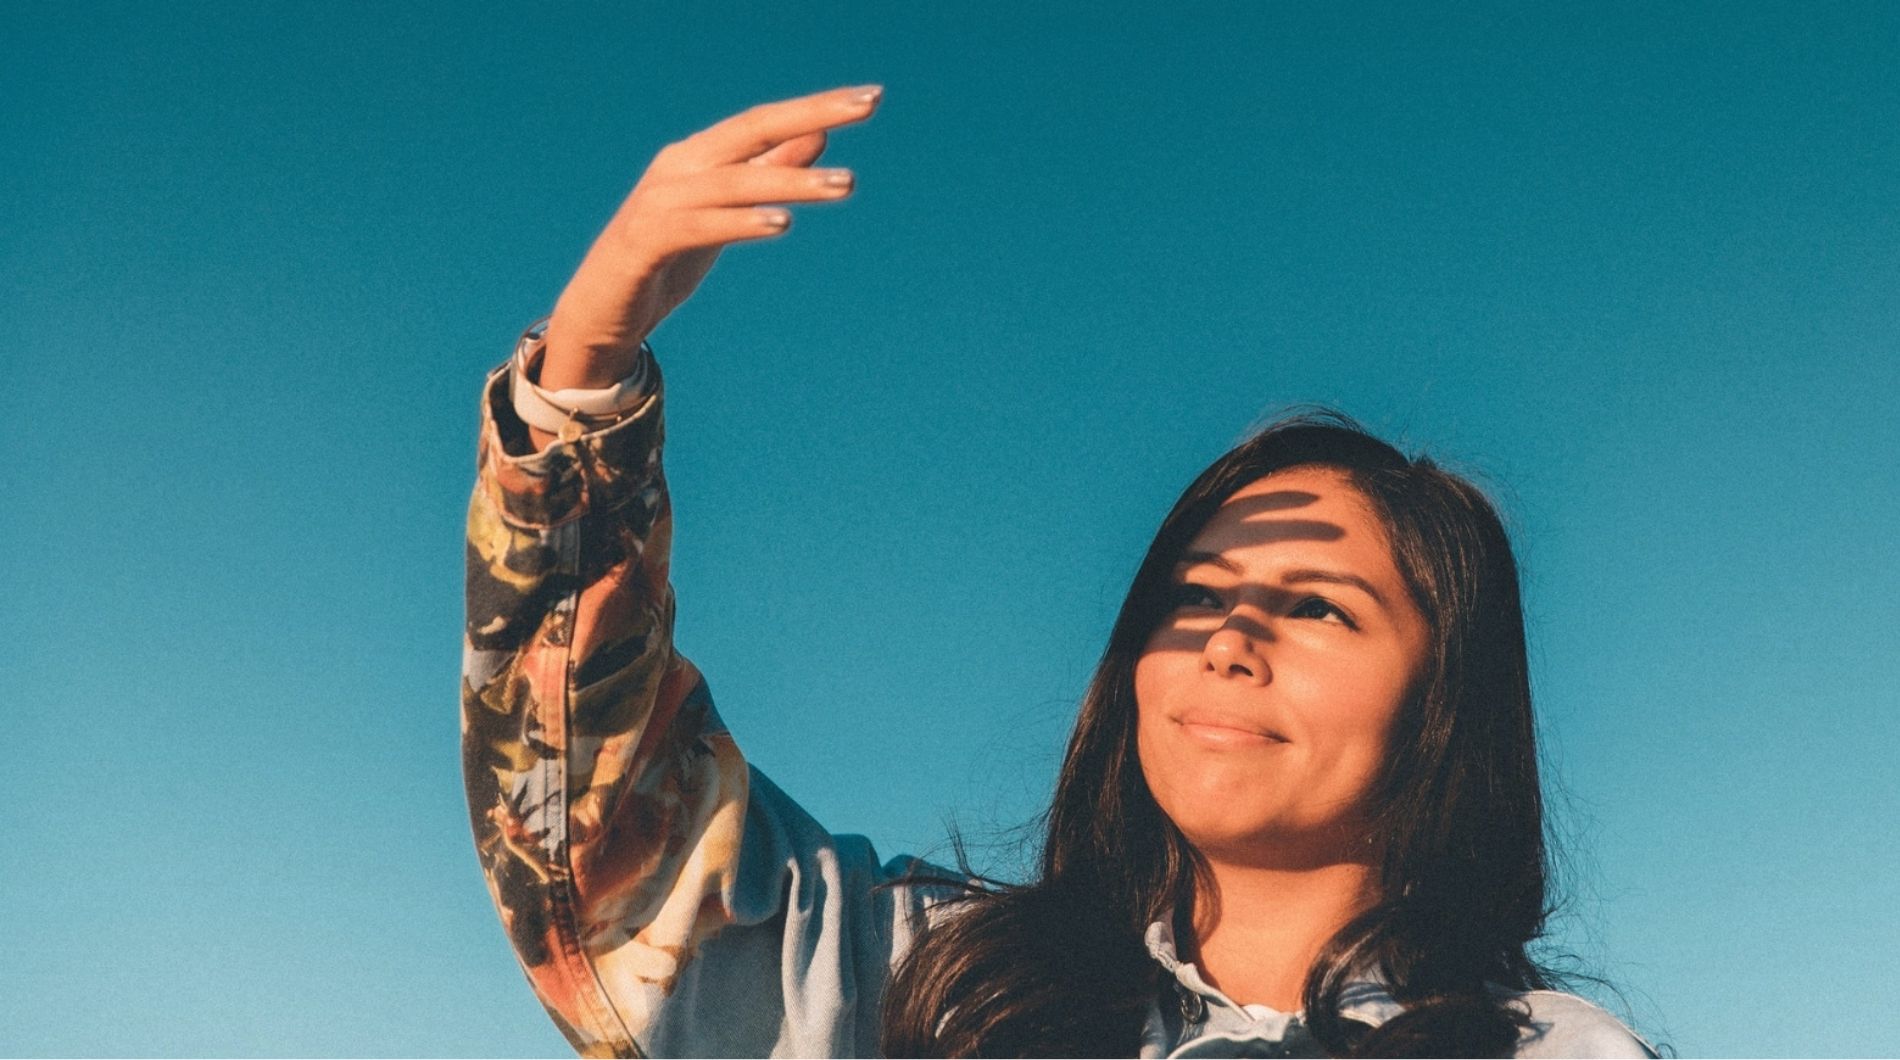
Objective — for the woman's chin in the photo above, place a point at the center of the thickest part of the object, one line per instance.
(1263, 840)
(1231, 833)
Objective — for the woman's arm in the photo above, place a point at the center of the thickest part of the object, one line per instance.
(594, 789)
(607, 801)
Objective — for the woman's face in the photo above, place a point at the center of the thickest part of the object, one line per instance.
(1267, 694)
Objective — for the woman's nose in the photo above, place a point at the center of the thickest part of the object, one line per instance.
(1232, 653)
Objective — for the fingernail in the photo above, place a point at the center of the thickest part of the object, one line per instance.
(775, 218)
(866, 93)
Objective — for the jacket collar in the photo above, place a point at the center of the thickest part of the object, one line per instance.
(1365, 998)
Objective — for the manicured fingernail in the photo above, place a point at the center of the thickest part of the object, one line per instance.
(837, 178)
(866, 93)
(775, 218)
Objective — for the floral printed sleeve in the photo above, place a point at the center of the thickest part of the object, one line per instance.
(610, 806)
(607, 806)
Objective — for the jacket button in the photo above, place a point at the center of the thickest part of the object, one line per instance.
(1193, 1005)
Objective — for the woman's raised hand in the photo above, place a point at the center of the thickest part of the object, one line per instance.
(712, 188)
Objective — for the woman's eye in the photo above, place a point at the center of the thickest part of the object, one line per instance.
(1194, 596)
(1315, 607)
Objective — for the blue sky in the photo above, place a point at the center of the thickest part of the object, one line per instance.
(1635, 267)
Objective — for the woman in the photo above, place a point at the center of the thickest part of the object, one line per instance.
(1299, 814)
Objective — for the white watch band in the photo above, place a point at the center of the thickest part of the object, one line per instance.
(571, 411)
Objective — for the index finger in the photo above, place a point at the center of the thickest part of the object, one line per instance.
(760, 128)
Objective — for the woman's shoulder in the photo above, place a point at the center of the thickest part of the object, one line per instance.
(1561, 1024)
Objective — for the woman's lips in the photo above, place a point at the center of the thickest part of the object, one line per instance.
(1217, 731)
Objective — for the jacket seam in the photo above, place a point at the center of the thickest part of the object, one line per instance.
(564, 893)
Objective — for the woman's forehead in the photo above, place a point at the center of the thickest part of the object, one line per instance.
(1313, 508)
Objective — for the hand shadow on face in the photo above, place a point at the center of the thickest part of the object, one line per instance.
(1260, 529)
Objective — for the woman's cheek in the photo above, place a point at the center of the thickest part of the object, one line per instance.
(1346, 744)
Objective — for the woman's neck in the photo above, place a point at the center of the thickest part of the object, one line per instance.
(1256, 937)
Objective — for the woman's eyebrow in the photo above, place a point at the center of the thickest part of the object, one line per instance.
(1294, 577)
(1195, 559)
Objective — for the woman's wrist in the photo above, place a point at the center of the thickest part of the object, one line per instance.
(572, 363)
(590, 343)
(569, 411)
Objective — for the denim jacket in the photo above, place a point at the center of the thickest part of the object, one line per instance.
(663, 897)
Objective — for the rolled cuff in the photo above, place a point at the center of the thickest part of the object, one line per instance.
(595, 471)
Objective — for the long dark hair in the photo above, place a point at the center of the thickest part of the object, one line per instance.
(1057, 966)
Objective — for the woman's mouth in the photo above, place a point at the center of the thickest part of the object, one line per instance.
(1225, 731)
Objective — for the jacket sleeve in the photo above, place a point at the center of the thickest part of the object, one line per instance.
(1565, 1025)
(611, 807)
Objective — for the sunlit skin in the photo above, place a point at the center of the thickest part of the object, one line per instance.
(1266, 698)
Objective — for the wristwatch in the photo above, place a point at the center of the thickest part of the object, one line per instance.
(570, 412)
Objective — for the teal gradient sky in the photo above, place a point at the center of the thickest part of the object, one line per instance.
(1634, 266)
